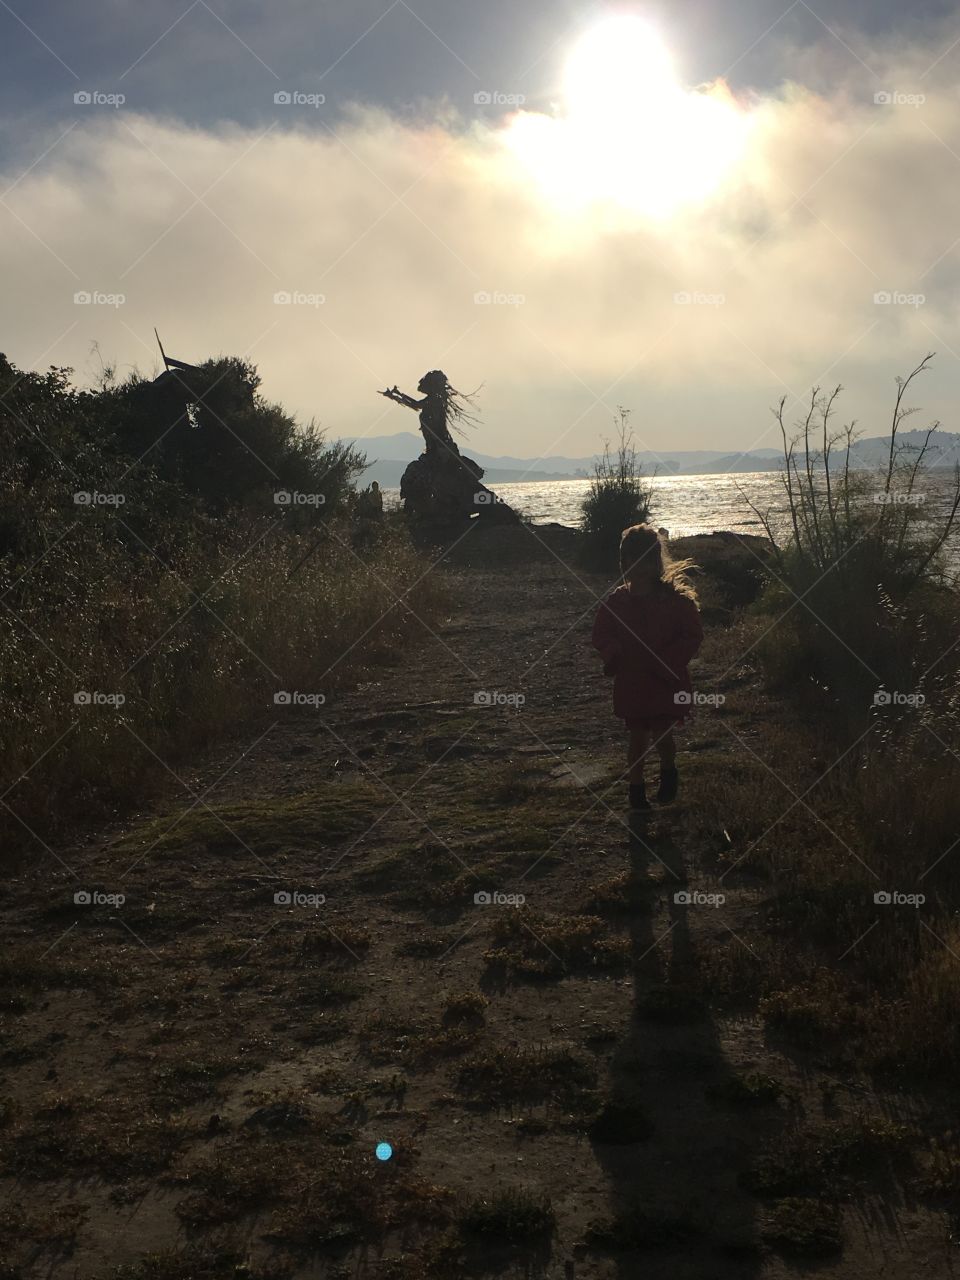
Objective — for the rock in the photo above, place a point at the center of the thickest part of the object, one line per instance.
(443, 489)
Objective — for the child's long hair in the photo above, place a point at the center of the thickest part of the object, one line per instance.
(456, 405)
(641, 541)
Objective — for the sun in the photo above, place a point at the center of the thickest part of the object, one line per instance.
(617, 67)
(630, 133)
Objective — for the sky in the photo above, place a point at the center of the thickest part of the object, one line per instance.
(690, 209)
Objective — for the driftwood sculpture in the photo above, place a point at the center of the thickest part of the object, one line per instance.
(443, 488)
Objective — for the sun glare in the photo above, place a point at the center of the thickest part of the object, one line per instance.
(631, 133)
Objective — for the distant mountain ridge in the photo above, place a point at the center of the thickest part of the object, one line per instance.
(389, 455)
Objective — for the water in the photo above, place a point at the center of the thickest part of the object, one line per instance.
(686, 505)
(683, 505)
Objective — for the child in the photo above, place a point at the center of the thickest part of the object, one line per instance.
(647, 630)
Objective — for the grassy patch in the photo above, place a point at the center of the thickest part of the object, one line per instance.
(940, 1172)
(257, 1171)
(197, 1263)
(807, 1228)
(113, 1137)
(464, 1006)
(639, 1227)
(325, 990)
(733, 977)
(193, 1073)
(515, 1216)
(392, 1038)
(37, 1231)
(329, 812)
(531, 945)
(325, 1027)
(600, 1033)
(812, 1012)
(429, 943)
(431, 874)
(357, 1092)
(330, 938)
(517, 1076)
(532, 1126)
(21, 971)
(622, 894)
(458, 892)
(388, 871)
(751, 1090)
(819, 1161)
(516, 783)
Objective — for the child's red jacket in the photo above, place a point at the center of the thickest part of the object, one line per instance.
(646, 643)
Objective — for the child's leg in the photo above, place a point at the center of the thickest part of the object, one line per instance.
(637, 748)
(667, 748)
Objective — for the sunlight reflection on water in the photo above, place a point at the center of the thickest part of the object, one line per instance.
(682, 504)
(686, 505)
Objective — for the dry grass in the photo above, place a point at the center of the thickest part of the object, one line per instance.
(823, 1160)
(147, 640)
(539, 946)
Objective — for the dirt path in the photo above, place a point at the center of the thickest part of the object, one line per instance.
(205, 1068)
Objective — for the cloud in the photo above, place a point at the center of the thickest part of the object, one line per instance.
(400, 223)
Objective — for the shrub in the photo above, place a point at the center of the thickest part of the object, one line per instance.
(862, 559)
(858, 526)
(194, 599)
(617, 498)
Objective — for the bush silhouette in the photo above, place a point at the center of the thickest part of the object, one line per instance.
(617, 498)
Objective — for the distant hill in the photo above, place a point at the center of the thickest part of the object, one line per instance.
(943, 449)
(389, 455)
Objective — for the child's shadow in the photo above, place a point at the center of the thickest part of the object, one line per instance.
(653, 854)
(671, 1153)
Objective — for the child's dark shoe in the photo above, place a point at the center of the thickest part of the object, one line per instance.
(669, 781)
